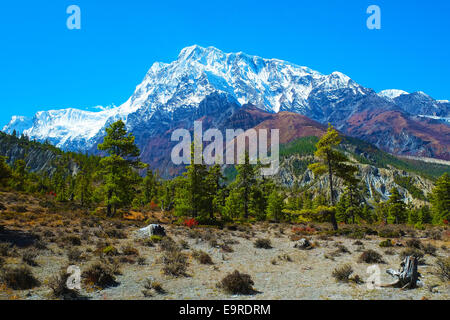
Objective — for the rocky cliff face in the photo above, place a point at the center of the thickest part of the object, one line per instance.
(377, 182)
(37, 157)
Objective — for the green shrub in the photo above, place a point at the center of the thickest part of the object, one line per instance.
(155, 238)
(110, 251)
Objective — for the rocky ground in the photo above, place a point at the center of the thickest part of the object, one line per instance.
(47, 238)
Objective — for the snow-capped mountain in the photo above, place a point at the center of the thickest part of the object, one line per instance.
(270, 84)
(418, 103)
(208, 81)
(391, 93)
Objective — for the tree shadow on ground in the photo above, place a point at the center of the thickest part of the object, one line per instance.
(18, 238)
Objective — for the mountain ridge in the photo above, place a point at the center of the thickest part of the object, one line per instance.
(173, 92)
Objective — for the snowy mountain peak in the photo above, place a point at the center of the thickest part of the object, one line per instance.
(392, 93)
(270, 84)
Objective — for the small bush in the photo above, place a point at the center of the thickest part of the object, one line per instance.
(19, 278)
(435, 235)
(237, 283)
(202, 257)
(101, 275)
(388, 232)
(129, 250)
(285, 257)
(73, 240)
(443, 265)
(5, 249)
(167, 244)
(41, 245)
(358, 243)
(213, 243)
(110, 251)
(19, 208)
(74, 255)
(155, 238)
(342, 249)
(184, 245)
(226, 248)
(414, 243)
(29, 256)
(370, 256)
(175, 263)
(343, 273)
(154, 285)
(429, 249)
(115, 233)
(263, 244)
(147, 242)
(386, 243)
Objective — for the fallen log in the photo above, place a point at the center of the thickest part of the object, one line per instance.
(407, 276)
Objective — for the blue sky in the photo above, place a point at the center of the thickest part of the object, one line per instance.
(44, 65)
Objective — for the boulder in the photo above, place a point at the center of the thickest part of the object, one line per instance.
(151, 230)
(303, 244)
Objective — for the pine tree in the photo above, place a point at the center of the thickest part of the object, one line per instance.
(234, 204)
(275, 206)
(196, 187)
(331, 163)
(244, 181)
(213, 183)
(349, 206)
(150, 186)
(425, 216)
(440, 199)
(119, 168)
(5, 172)
(83, 187)
(20, 175)
(397, 212)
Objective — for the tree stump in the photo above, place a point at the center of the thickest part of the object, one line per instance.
(407, 276)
